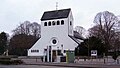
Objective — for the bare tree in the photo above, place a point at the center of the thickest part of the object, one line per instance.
(35, 29)
(94, 31)
(23, 28)
(105, 27)
(28, 28)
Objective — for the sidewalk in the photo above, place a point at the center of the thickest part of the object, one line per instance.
(80, 64)
(76, 65)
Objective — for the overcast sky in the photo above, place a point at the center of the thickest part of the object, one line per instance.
(13, 12)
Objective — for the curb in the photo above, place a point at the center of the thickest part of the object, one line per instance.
(69, 65)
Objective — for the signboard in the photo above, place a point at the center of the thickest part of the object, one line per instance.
(93, 52)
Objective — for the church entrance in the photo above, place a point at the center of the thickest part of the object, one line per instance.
(51, 55)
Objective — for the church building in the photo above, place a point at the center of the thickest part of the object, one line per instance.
(57, 35)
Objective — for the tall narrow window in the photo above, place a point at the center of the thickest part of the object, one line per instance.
(49, 23)
(70, 23)
(58, 22)
(45, 24)
(62, 22)
(53, 23)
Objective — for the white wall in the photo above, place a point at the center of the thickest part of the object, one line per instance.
(70, 27)
(59, 31)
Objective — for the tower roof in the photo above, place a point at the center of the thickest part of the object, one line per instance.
(56, 14)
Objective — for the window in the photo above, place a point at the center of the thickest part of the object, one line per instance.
(49, 23)
(53, 23)
(58, 22)
(45, 24)
(54, 41)
(70, 23)
(62, 22)
(34, 50)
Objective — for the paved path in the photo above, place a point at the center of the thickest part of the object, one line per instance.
(29, 66)
(36, 63)
(87, 63)
(77, 65)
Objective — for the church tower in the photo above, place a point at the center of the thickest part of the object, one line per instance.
(61, 19)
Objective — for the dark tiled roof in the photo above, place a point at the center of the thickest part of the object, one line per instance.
(56, 14)
(77, 37)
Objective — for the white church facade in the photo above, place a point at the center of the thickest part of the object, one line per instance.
(56, 34)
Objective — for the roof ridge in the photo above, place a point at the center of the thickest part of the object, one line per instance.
(59, 10)
(55, 14)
